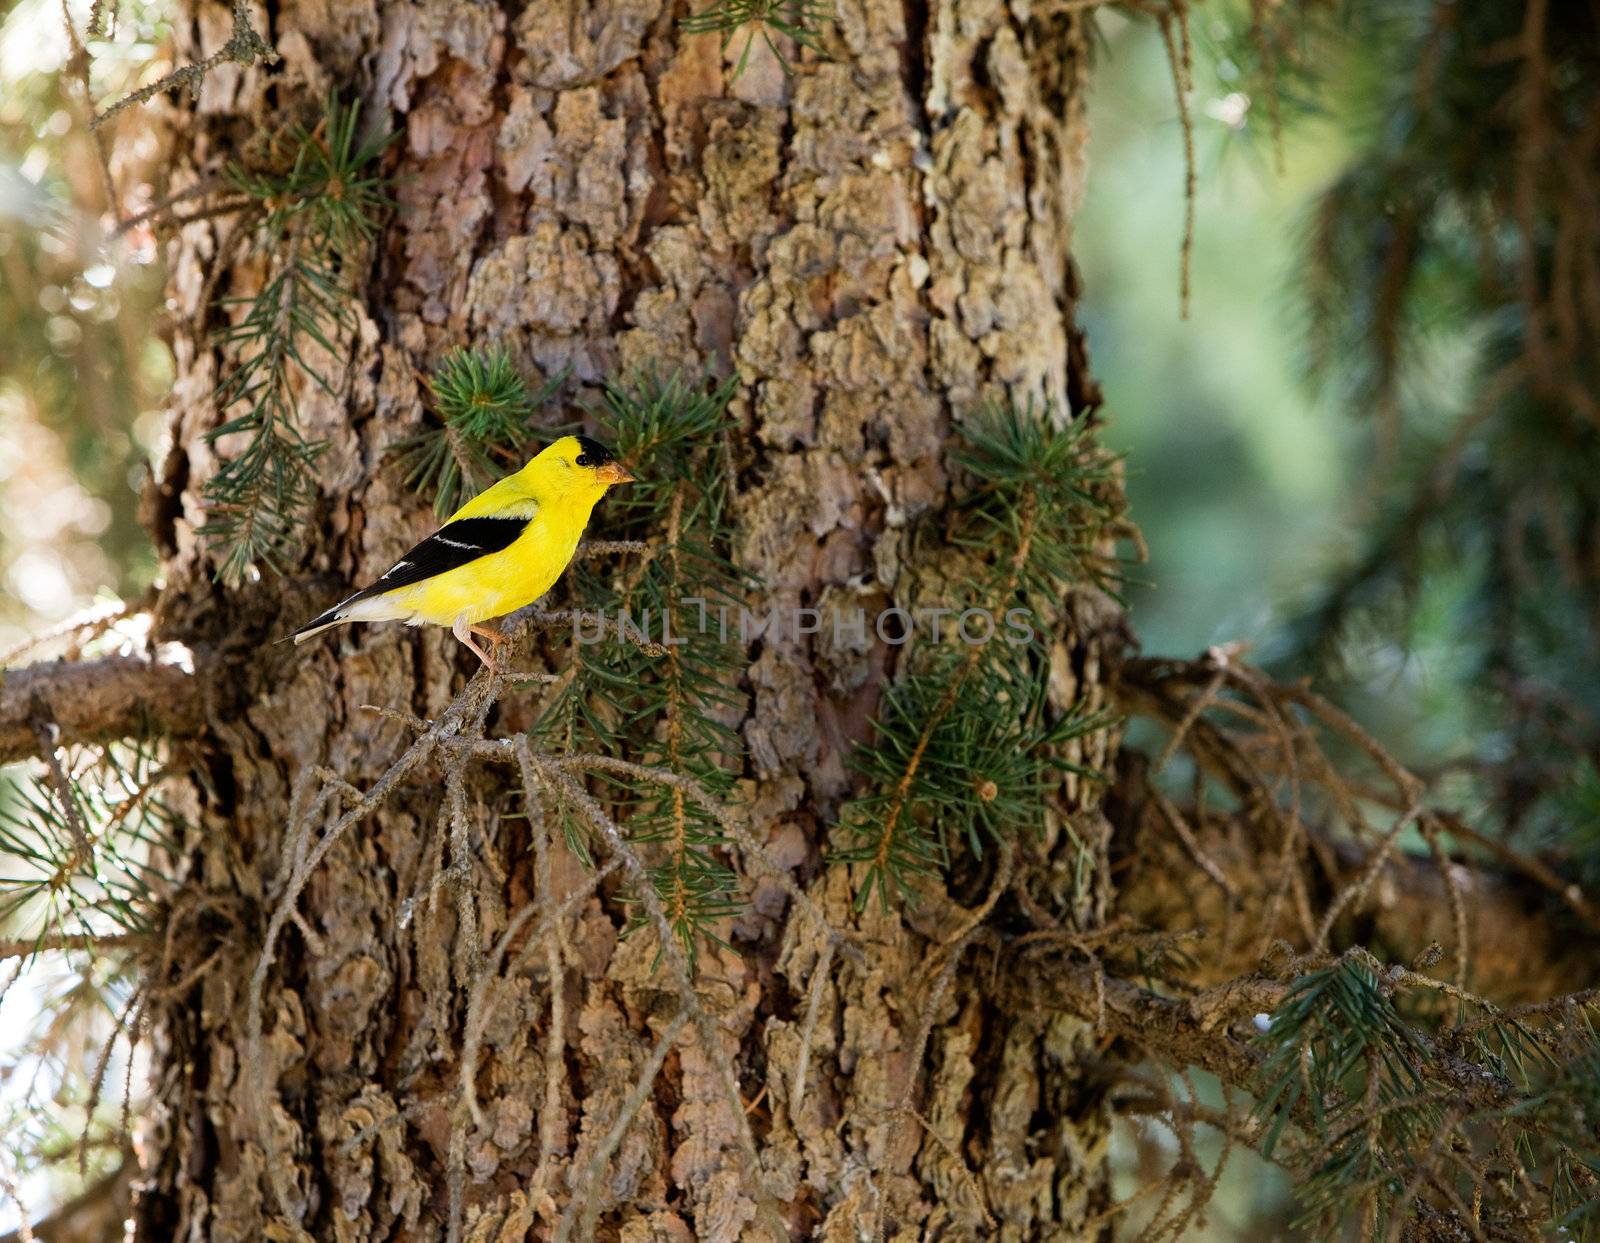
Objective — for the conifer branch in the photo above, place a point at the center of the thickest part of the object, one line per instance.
(112, 697)
(884, 856)
(965, 742)
(319, 211)
(484, 407)
(88, 842)
(110, 942)
(799, 20)
(244, 47)
(660, 704)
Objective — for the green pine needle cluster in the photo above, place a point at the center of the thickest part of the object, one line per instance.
(967, 746)
(1338, 1047)
(1567, 1108)
(317, 209)
(664, 694)
(1497, 1110)
(977, 764)
(800, 20)
(1038, 497)
(483, 406)
(92, 865)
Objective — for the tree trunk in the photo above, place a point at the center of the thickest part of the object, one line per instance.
(876, 245)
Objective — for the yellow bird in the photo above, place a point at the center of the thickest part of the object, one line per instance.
(500, 551)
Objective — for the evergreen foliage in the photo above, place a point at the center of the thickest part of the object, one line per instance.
(1397, 1099)
(1452, 283)
(967, 745)
(800, 20)
(87, 853)
(315, 207)
(1399, 1110)
(662, 690)
(483, 406)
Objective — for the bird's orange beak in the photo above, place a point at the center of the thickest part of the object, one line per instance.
(613, 472)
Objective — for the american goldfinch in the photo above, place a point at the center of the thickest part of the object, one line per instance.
(501, 550)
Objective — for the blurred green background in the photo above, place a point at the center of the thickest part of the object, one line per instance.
(83, 378)
(1246, 484)
(1243, 482)
(83, 374)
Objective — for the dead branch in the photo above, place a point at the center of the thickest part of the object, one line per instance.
(449, 722)
(456, 737)
(95, 1214)
(942, 970)
(115, 697)
(27, 947)
(1197, 1031)
(673, 956)
(244, 47)
(1304, 827)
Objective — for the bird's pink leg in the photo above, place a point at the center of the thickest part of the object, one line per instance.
(464, 632)
(496, 639)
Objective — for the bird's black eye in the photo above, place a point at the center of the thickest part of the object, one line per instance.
(585, 460)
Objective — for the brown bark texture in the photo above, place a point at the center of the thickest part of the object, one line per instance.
(110, 698)
(876, 244)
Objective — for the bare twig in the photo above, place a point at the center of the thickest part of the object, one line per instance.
(1356, 889)
(583, 1196)
(808, 1028)
(555, 1038)
(111, 942)
(244, 47)
(449, 722)
(130, 1017)
(80, 626)
(1527, 865)
(946, 961)
(673, 955)
(48, 733)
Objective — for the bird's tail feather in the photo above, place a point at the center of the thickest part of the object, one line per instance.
(324, 621)
(316, 626)
(359, 607)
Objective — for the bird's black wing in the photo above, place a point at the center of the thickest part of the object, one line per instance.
(449, 548)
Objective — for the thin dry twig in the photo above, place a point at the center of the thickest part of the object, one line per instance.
(49, 735)
(583, 1196)
(244, 47)
(964, 1172)
(1527, 865)
(1357, 889)
(64, 942)
(554, 1056)
(946, 961)
(8, 1185)
(1191, 844)
(481, 1004)
(82, 625)
(449, 722)
(731, 824)
(673, 955)
(196, 189)
(129, 1017)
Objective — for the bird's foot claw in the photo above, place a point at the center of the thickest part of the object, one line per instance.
(494, 638)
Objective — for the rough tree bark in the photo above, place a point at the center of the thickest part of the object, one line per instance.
(876, 244)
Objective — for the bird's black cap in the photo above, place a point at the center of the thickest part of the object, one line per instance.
(592, 453)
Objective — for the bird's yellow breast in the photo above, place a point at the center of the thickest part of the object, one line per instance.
(501, 582)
